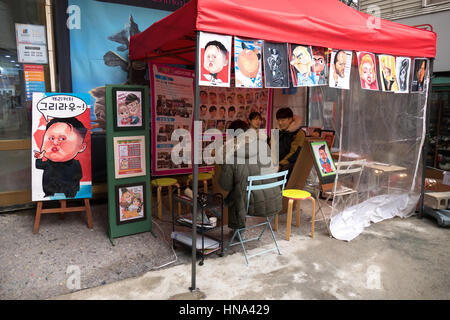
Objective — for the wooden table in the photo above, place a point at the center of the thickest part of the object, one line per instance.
(385, 168)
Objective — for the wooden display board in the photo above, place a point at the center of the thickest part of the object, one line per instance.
(302, 168)
(128, 160)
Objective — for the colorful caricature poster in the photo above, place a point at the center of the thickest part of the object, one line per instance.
(215, 53)
(388, 73)
(367, 70)
(340, 67)
(247, 63)
(403, 65)
(61, 146)
(420, 72)
(172, 108)
(320, 65)
(221, 106)
(276, 65)
(323, 158)
(301, 62)
(131, 201)
(129, 109)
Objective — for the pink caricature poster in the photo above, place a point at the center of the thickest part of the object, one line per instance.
(215, 54)
(61, 146)
(367, 70)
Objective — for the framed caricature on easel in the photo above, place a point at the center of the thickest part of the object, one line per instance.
(323, 162)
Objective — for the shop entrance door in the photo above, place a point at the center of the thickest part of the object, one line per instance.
(15, 110)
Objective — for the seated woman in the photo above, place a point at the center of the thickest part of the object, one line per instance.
(249, 158)
(254, 120)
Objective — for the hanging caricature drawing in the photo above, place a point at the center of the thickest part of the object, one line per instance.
(214, 56)
(276, 67)
(247, 58)
(301, 63)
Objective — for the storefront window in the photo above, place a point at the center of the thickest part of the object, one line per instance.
(15, 121)
(15, 107)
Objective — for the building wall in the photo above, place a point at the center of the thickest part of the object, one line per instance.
(398, 9)
(413, 13)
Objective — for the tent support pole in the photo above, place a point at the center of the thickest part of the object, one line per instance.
(195, 167)
(427, 138)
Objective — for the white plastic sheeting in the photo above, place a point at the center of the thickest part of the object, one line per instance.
(384, 131)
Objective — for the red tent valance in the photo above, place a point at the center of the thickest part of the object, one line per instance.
(325, 23)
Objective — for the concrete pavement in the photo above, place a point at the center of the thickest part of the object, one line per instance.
(393, 259)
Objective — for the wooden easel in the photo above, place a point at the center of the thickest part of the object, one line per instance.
(62, 210)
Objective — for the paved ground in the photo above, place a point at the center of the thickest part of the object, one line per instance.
(393, 259)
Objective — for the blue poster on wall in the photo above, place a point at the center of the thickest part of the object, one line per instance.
(99, 47)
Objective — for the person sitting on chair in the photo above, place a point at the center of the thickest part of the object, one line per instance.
(291, 138)
(246, 161)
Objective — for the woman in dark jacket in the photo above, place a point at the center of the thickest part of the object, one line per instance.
(246, 161)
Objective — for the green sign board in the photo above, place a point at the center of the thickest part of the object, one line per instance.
(128, 160)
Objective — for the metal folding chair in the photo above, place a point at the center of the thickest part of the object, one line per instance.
(253, 187)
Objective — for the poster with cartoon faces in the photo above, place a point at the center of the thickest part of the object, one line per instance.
(276, 65)
(367, 70)
(130, 203)
(215, 53)
(320, 65)
(388, 73)
(403, 65)
(420, 72)
(301, 62)
(340, 67)
(129, 109)
(247, 63)
(61, 146)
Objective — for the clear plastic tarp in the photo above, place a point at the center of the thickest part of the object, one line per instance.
(379, 136)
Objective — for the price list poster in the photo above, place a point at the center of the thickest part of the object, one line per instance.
(34, 79)
(172, 108)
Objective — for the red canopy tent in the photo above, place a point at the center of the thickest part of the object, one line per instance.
(325, 23)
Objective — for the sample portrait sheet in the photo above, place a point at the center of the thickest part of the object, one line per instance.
(301, 62)
(320, 65)
(340, 67)
(276, 65)
(367, 70)
(61, 146)
(388, 73)
(129, 156)
(247, 63)
(420, 72)
(215, 54)
(403, 65)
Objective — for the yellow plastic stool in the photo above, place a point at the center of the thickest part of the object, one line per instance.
(202, 176)
(293, 195)
(165, 182)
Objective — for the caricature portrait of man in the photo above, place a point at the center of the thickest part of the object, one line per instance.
(62, 141)
(214, 60)
(134, 107)
(324, 161)
(340, 59)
